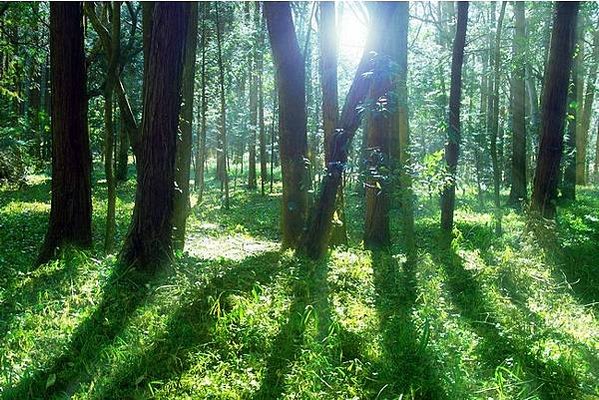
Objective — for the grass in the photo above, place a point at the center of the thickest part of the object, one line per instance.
(235, 318)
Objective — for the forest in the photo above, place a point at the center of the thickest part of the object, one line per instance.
(299, 200)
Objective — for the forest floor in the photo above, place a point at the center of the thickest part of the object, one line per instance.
(234, 317)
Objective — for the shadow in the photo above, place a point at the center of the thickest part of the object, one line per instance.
(406, 367)
(189, 327)
(123, 292)
(499, 348)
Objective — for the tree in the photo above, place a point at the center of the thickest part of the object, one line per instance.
(518, 182)
(149, 239)
(330, 102)
(222, 163)
(71, 207)
(316, 238)
(568, 187)
(553, 108)
(253, 60)
(260, 69)
(452, 147)
(183, 160)
(200, 154)
(293, 143)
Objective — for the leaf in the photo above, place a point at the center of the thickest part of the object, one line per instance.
(51, 380)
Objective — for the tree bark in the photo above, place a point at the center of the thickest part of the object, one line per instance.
(553, 108)
(183, 160)
(253, 104)
(71, 206)
(452, 147)
(149, 239)
(200, 156)
(261, 127)
(293, 143)
(316, 238)
(518, 185)
(568, 188)
(222, 163)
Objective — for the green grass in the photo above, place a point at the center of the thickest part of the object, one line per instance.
(236, 318)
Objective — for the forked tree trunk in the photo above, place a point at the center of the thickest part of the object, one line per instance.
(149, 239)
(518, 188)
(553, 108)
(452, 147)
(71, 206)
(293, 143)
(316, 238)
(183, 161)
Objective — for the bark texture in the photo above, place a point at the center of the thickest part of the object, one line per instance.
(71, 207)
(149, 240)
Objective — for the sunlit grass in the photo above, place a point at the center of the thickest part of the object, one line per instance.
(233, 317)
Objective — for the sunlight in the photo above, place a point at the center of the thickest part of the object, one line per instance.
(352, 30)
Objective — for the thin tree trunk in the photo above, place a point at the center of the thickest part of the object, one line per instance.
(518, 192)
(275, 114)
(201, 143)
(568, 188)
(452, 147)
(252, 61)
(183, 160)
(553, 108)
(293, 142)
(71, 206)
(149, 239)
(222, 155)
(261, 127)
(123, 156)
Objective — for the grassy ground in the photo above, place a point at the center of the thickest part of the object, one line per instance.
(234, 317)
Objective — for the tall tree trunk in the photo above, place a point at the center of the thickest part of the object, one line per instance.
(123, 156)
(222, 163)
(261, 127)
(582, 135)
(273, 124)
(518, 188)
(553, 108)
(452, 147)
(402, 132)
(316, 238)
(149, 239)
(71, 206)
(330, 103)
(183, 160)
(200, 157)
(293, 142)
(253, 105)
(494, 123)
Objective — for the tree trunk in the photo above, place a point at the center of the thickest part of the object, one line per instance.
(582, 136)
(149, 239)
(452, 147)
(123, 157)
(330, 103)
(316, 237)
(494, 123)
(518, 188)
(71, 207)
(261, 127)
(568, 189)
(253, 108)
(183, 160)
(553, 108)
(222, 163)
(200, 159)
(293, 143)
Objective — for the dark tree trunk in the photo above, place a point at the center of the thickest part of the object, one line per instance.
(553, 108)
(293, 143)
(330, 104)
(183, 161)
(222, 163)
(316, 238)
(149, 239)
(518, 189)
(70, 212)
(452, 147)
(200, 156)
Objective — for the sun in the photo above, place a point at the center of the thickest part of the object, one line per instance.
(352, 29)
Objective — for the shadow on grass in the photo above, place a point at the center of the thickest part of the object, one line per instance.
(498, 348)
(407, 367)
(123, 293)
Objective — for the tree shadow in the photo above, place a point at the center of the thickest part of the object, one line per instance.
(407, 367)
(498, 347)
(191, 326)
(123, 292)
